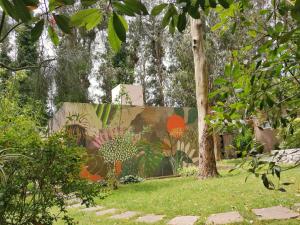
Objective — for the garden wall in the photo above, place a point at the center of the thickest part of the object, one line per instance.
(171, 132)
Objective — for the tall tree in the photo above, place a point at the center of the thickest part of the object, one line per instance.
(116, 68)
(207, 162)
(36, 85)
(72, 71)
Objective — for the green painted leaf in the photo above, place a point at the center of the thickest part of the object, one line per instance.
(63, 22)
(106, 115)
(37, 30)
(99, 110)
(113, 39)
(158, 9)
(53, 35)
(88, 18)
(22, 11)
(179, 111)
(193, 115)
(120, 26)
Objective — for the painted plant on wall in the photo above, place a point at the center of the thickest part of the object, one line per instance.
(169, 143)
(177, 149)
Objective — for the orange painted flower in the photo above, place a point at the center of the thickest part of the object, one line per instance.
(87, 175)
(176, 126)
(118, 168)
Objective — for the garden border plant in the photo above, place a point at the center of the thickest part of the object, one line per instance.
(47, 171)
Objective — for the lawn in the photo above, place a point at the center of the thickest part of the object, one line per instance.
(190, 196)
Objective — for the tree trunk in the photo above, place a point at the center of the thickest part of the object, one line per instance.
(207, 162)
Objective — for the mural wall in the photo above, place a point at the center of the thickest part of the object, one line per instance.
(167, 137)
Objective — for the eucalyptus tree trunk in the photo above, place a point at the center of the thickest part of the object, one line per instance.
(207, 162)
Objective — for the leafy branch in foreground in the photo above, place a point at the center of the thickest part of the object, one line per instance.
(267, 168)
(175, 15)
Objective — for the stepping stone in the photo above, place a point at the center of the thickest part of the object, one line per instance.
(125, 215)
(150, 218)
(107, 211)
(183, 220)
(96, 208)
(275, 213)
(224, 218)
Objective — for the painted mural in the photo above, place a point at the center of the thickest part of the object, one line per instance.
(155, 141)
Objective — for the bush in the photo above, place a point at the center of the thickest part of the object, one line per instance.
(130, 179)
(191, 171)
(45, 173)
(243, 142)
(290, 136)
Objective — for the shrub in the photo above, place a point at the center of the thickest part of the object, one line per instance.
(129, 179)
(243, 142)
(46, 172)
(191, 171)
(290, 135)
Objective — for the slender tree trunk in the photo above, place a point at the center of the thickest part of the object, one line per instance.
(207, 162)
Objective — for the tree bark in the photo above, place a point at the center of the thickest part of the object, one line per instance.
(207, 162)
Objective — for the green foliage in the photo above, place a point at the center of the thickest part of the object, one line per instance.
(117, 27)
(37, 30)
(35, 85)
(290, 135)
(243, 142)
(131, 179)
(46, 170)
(73, 69)
(266, 169)
(88, 18)
(117, 68)
(191, 171)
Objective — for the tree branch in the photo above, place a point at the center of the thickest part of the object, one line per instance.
(2, 65)
(10, 30)
(2, 22)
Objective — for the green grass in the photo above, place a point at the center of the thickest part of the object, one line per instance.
(190, 196)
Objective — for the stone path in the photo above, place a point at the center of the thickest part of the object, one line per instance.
(224, 218)
(150, 218)
(183, 220)
(106, 211)
(275, 213)
(272, 213)
(125, 215)
(91, 209)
